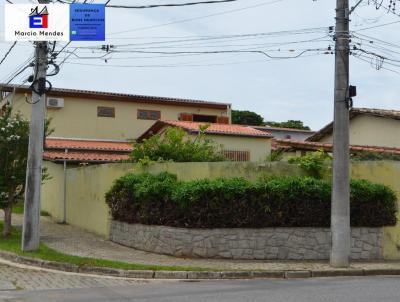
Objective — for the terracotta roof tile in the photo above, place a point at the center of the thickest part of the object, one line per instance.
(80, 156)
(223, 129)
(62, 92)
(304, 145)
(81, 144)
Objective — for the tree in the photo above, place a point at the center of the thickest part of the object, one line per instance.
(175, 145)
(14, 139)
(295, 124)
(246, 118)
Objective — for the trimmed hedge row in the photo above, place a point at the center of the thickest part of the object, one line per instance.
(235, 202)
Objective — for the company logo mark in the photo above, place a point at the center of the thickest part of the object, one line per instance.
(39, 20)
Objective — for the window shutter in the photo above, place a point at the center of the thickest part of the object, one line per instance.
(223, 120)
(186, 117)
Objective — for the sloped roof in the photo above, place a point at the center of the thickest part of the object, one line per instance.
(314, 146)
(84, 150)
(85, 156)
(112, 96)
(81, 144)
(218, 129)
(266, 128)
(328, 129)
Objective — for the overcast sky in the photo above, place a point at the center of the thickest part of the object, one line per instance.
(279, 90)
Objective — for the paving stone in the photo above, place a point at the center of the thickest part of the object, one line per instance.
(18, 278)
(5, 285)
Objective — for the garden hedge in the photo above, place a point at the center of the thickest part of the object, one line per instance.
(235, 202)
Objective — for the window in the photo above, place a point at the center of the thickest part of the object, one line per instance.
(148, 114)
(204, 118)
(105, 111)
(234, 155)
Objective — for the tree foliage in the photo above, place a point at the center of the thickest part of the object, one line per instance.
(14, 138)
(295, 124)
(175, 145)
(14, 141)
(246, 118)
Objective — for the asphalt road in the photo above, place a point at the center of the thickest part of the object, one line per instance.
(373, 289)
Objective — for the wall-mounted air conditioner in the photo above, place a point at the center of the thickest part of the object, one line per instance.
(55, 102)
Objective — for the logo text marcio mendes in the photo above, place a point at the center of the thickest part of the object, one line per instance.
(39, 20)
(26, 22)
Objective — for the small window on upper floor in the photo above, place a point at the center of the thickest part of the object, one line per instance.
(148, 114)
(106, 112)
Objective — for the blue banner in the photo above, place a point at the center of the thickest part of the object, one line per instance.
(87, 22)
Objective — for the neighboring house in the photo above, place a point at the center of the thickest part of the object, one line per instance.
(286, 133)
(239, 143)
(111, 116)
(295, 147)
(368, 127)
(75, 151)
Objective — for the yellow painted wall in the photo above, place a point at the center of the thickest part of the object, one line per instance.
(86, 187)
(259, 148)
(53, 191)
(387, 173)
(78, 119)
(373, 131)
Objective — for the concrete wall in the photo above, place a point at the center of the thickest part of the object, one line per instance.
(86, 187)
(262, 244)
(373, 131)
(78, 119)
(53, 191)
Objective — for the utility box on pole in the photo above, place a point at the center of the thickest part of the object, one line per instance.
(340, 214)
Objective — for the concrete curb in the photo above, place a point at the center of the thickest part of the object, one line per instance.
(192, 275)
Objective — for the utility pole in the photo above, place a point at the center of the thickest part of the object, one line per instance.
(340, 213)
(30, 230)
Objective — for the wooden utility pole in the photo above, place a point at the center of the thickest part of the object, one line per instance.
(340, 214)
(30, 230)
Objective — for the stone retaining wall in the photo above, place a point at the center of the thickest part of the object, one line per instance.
(263, 244)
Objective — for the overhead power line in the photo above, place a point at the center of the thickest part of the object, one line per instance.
(8, 52)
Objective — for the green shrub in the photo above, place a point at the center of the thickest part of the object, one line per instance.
(313, 163)
(236, 202)
(372, 204)
(175, 145)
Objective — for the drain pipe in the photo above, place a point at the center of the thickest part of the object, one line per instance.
(65, 190)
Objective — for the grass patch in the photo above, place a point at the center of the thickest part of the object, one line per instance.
(18, 208)
(13, 244)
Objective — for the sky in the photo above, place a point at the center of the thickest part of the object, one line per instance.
(278, 89)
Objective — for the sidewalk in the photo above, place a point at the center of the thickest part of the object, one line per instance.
(74, 241)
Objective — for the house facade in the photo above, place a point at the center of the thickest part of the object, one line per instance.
(286, 133)
(368, 127)
(238, 142)
(98, 115)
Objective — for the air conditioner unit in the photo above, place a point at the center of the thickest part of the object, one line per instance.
(55, 103)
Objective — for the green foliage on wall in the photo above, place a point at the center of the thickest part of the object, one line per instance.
(175, 145)
(235, 202)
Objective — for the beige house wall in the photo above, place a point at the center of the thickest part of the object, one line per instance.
(373, 131)
(259, 148)
(78, 118)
